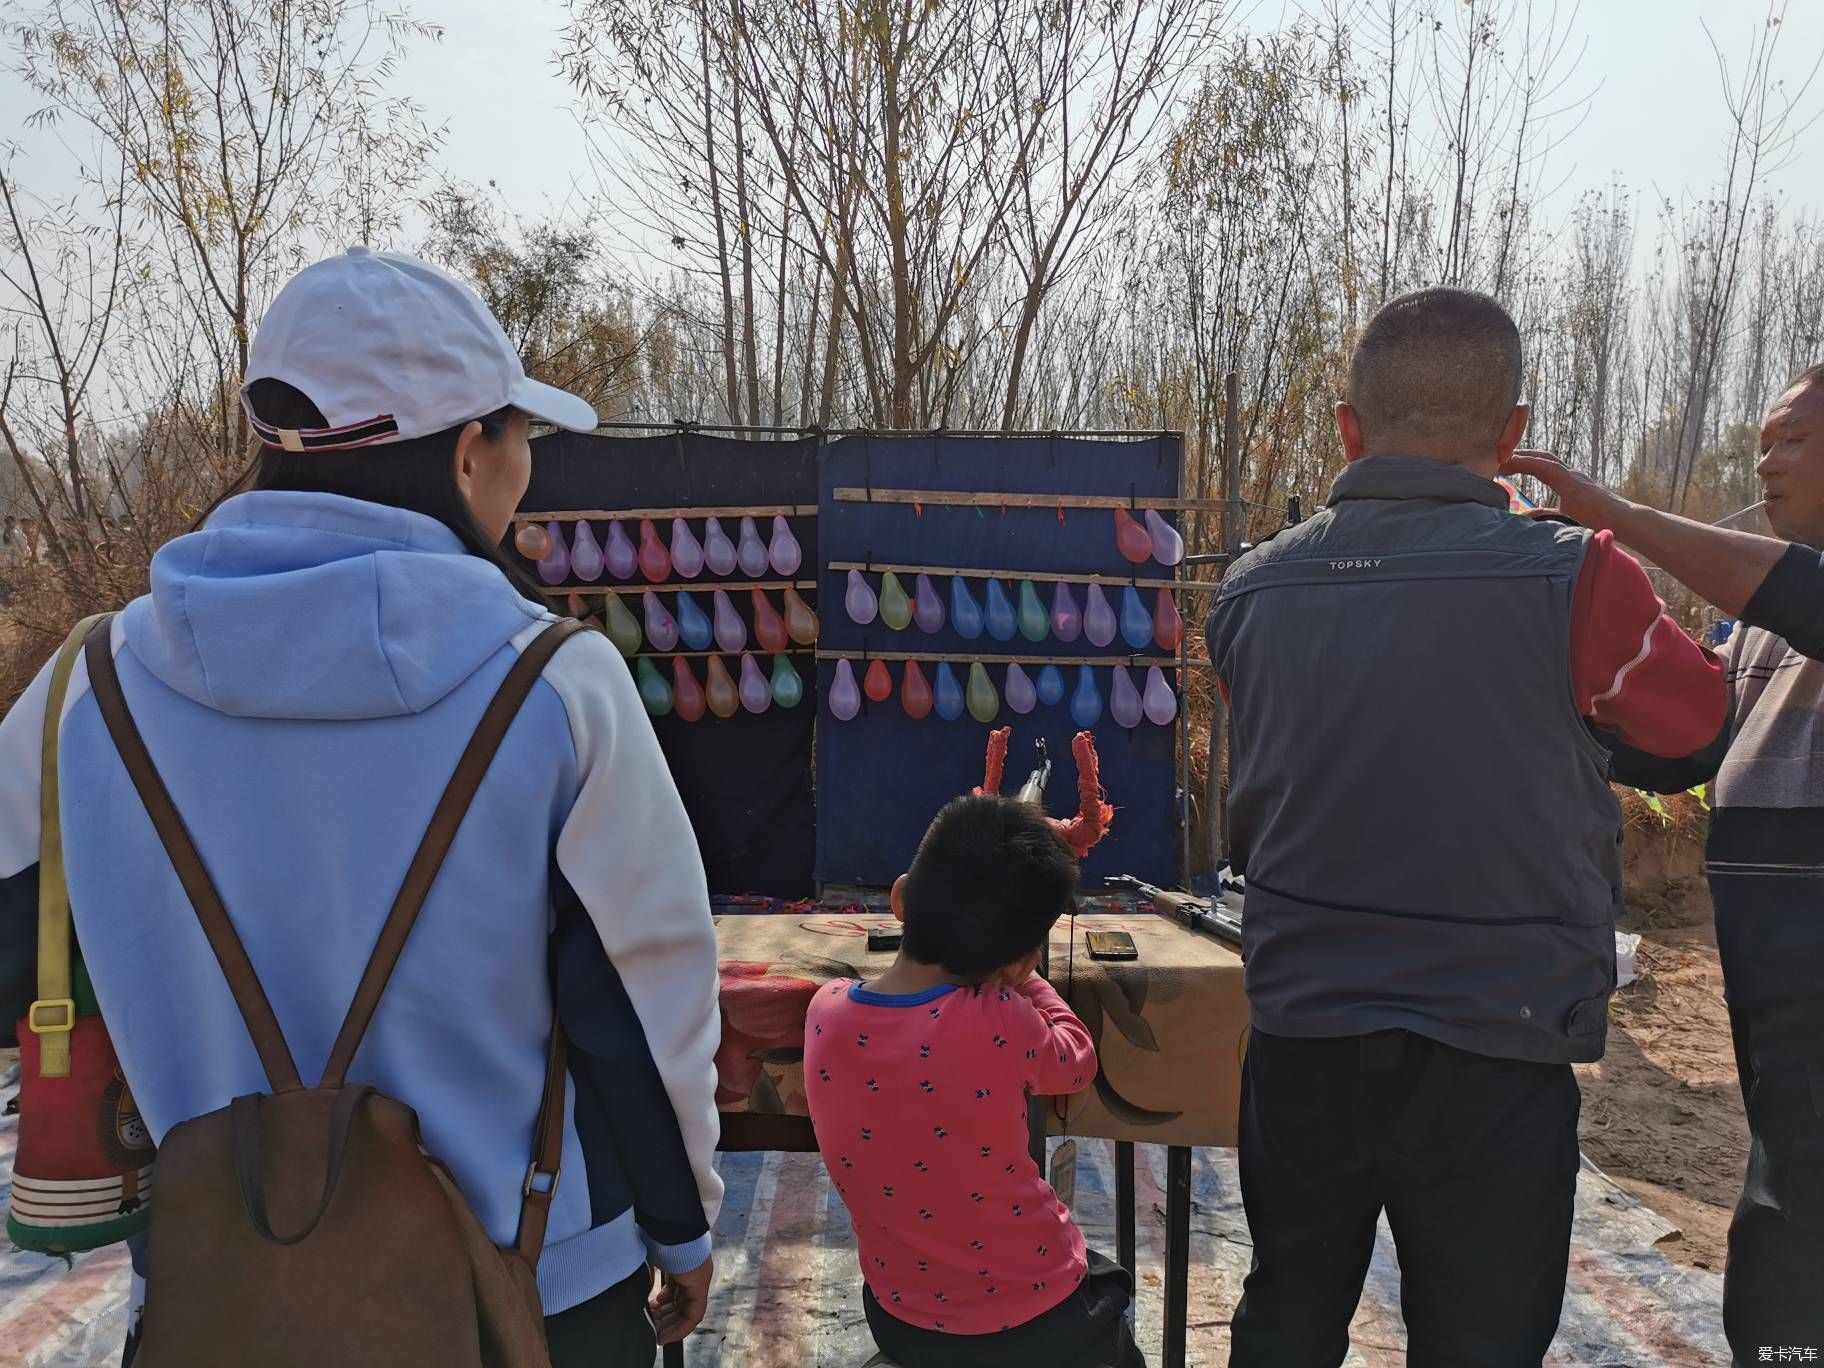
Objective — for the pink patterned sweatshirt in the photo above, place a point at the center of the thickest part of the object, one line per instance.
(919, 1103)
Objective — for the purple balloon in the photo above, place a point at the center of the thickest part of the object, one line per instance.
(1066, 621)
(928, 608)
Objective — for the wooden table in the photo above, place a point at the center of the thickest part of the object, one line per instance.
(1169, 1030)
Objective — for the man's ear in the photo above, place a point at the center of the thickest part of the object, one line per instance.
(1513, 432)
(1349, 428)
(897, 898)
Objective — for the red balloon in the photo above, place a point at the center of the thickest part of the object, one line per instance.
(1168, 627)
(769, 627)
(878, 685)
(655, 560)
(1134, 541)
(914, 693)
(686, 694)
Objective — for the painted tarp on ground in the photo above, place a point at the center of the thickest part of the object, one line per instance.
(788, 1290)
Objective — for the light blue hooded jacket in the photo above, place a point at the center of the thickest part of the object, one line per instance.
(306, 671)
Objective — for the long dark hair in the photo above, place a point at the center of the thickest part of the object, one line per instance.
(417, 474)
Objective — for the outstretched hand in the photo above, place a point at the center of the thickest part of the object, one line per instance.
(1578, 496)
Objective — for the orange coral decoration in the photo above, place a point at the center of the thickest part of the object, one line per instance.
(1094, 815)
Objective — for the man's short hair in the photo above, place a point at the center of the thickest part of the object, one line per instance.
(1436, 365)
(991, 877)
(1806, 379)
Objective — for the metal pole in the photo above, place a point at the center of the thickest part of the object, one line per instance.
(1177, 1253)
(1124, 1205)
(1218, 805)
(1183, 599)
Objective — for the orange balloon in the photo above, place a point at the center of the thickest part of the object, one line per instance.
(878, 685)
(914, 692)
(1168, 626)
(800, 621)
(686, 693)
(769, 627)
(575, 606)
(533, 541)
(724, 697)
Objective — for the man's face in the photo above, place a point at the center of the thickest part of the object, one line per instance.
(1792, 465)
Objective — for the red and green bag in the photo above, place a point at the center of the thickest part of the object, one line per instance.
(82, 1176)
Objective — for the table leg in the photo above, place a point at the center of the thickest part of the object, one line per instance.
(1177, 1253)
(674, 1355)
(1124, 1205)
(1037, 1109)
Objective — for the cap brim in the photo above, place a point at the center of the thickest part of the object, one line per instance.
(549, 404)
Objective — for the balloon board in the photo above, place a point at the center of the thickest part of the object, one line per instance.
(698, 556)
(969, 583)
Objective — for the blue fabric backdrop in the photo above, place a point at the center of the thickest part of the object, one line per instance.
(882, 776)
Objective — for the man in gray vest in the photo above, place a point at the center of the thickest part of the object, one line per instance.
(1425, 694)
(1765, 856)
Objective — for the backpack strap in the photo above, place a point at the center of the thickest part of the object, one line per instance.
(438, 837)
(547, 1154)
(249, 996)
(52, 1016)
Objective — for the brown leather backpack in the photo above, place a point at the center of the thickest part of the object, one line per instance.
(307, 1226)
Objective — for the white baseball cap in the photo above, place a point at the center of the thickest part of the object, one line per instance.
(389, 348)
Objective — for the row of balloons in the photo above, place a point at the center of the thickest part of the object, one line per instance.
(1156, 540)
(773, 630)
(586, 558)
(718, 693)
(1128, 703)
(1097, 620)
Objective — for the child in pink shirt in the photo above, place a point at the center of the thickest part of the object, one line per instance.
(918, 1083)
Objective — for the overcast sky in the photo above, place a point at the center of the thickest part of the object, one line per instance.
(1655, 118)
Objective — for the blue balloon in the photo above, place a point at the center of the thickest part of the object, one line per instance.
(1051, 686)
(965, 613)
(693, 623)
(1086, 702)
(1003, 620)
(948, 693)
(1136, 622)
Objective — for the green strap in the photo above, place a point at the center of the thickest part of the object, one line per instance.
(53, 1016)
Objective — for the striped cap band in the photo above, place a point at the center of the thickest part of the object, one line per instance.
(360, 434)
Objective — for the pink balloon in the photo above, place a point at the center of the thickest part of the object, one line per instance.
(731, 632)
(1099, 623)
(555, 567)
(751, 553)
(1066, 621)
(661, 626)
(1161, 703)
(586, 553)
(1124, 699)
(845, 697)
(623, 560)
(785, 553)
(863, 606)
(686, 551)
(718, 550)
(756, 690)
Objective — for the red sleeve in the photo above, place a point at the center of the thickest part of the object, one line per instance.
(1060, 1056)
(1634, 670)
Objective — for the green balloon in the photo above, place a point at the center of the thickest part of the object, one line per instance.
(1035, 622)
(788, 688)
(655, 693)
(895, 607)
(984, 702)
(623, 627)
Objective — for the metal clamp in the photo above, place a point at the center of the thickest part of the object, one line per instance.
(530, 1186)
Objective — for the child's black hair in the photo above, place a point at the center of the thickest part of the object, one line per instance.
(990, 878)
(418, 474)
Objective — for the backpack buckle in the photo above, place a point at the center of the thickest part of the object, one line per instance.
(530, 1186)
(66, 1006)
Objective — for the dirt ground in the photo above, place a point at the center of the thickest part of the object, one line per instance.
(1662, 1113)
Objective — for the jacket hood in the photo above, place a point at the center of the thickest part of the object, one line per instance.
(315, 606)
